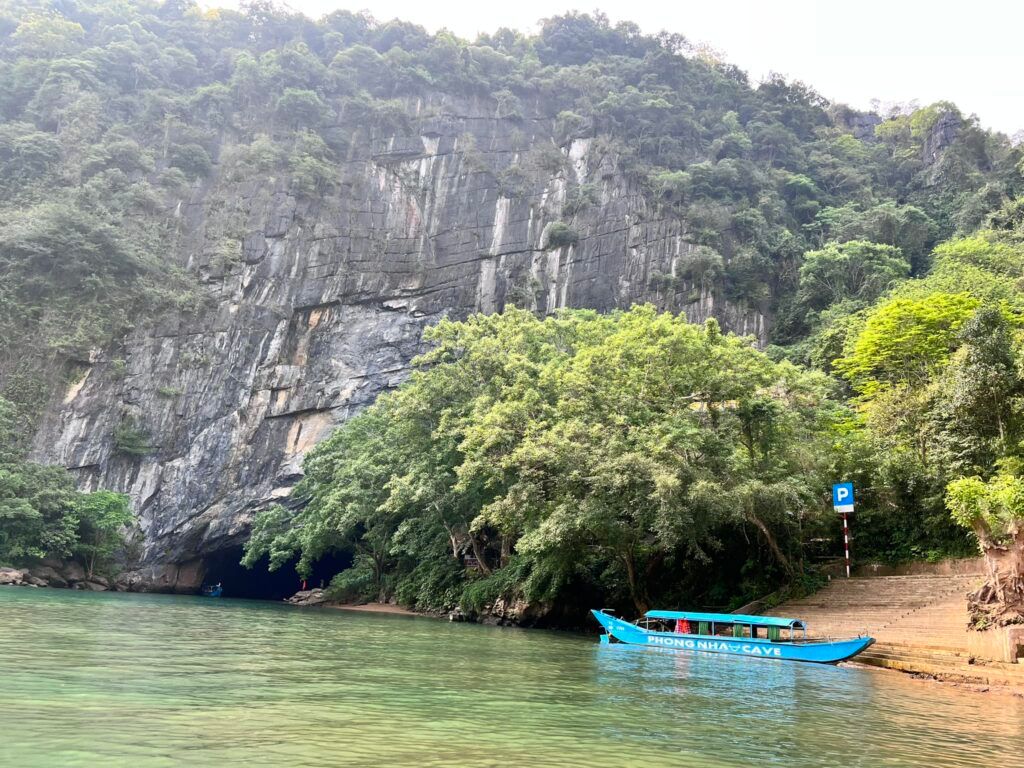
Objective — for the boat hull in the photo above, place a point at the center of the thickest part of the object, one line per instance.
(815, 651)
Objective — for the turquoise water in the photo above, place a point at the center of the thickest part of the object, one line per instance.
(150, 680)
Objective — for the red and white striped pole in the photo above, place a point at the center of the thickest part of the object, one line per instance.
(846, 542)
(842, 502)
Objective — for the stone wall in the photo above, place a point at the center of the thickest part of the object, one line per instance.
(1005, 644)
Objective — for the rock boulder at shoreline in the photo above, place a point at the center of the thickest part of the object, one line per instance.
(11, 576)
(307, 597)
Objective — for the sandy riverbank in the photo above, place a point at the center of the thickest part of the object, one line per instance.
(374, 608)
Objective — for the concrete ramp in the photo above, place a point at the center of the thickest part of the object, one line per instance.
(916, 610)
(919, 623)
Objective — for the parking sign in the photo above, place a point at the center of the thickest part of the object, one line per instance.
(842, 497)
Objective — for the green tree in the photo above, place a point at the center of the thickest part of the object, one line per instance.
(41, 513)
(994, 510)
(301, 108)
(577, 450)
(102, 518)
(976, 397)
(47, 35)
(37, 512)
(904, 342)
(856, 270)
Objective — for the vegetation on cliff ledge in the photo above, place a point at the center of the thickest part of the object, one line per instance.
(42, 515)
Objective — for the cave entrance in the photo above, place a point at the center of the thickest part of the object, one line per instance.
(259, 583)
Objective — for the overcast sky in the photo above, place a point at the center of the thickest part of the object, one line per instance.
(969, 52)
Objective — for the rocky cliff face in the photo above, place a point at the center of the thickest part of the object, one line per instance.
(316, 305)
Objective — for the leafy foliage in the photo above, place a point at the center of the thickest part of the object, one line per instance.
(905, 342)
(936, 366)
(620, 455)
(995, 507)
(102, 516)
(130, 439)
(856, 270)
(41, 513)
(577, 452)
(559, 234)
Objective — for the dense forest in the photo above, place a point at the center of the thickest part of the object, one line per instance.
(623, 458)
(638, 459)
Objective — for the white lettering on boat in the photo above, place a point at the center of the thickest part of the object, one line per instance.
(719, 646)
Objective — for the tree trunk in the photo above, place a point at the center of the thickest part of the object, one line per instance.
(1000, 600)
(453, 539)
(378, 577)
(653, 564)
(506, 548)
(636, 591)
(748, 441)
(479, 555)
(773, 545)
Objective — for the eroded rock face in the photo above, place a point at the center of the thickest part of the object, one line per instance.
(12, 576)
(54, 573)
(940, 136)
(316, 305)
(50, 576)
(308, 597)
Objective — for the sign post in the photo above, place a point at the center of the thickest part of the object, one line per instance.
(842, 502)
(846, 541)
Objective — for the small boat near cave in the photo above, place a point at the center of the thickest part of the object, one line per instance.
(212, 590)
(759, 637)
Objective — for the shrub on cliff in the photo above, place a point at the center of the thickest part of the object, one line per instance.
(131, 439)
(41, 513)
(558, 235)
(191, 159)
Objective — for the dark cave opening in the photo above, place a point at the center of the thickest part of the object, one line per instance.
(259, 583)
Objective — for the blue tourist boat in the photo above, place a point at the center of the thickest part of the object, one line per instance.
(759, 637)
(213, 590)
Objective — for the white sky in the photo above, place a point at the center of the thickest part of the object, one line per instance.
(968, 52)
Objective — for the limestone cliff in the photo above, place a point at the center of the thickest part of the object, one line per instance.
(316, 304)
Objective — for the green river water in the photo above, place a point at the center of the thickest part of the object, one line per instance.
(150, 680)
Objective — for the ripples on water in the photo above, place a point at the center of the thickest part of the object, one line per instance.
(142, 681)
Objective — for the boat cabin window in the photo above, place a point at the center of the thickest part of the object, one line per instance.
(725, 625)
(726, 629)
(657, 625)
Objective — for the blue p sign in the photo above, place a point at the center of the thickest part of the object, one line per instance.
(842, 497)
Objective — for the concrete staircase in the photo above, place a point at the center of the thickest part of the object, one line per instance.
(919, 624)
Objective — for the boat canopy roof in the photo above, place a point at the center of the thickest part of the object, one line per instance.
(729, 618)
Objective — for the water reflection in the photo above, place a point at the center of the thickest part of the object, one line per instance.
(151, 681)
(789, 713)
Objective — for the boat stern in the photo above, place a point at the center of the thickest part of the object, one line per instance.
(605, 621)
